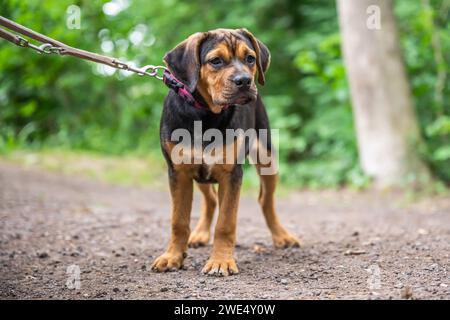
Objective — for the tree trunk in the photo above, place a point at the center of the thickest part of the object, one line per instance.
(386, 125)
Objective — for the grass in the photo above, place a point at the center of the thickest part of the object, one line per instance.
(129, 170)
(147, 170)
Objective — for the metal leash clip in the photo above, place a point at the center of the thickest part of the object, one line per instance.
(48, 48)
(22, 42)
(120, 65)
(152, 71)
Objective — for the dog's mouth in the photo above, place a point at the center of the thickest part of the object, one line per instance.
(242, 101)
(237, 101)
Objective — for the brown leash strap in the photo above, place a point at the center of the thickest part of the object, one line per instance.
(10, 37)
(18, 40)
(53, 46)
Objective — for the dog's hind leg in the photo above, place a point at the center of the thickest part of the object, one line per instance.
(268, 179)
(201, 234)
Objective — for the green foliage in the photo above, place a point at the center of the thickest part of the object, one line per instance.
(49, 101)
(426, 43)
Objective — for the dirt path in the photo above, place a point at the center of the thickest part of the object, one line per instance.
(355, 245)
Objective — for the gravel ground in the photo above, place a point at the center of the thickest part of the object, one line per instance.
(354, 245)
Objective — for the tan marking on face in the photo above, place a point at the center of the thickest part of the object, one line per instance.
(242, 51)
(221, 51)
(214, 82)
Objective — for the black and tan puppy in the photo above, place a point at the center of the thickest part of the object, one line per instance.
(219, 68)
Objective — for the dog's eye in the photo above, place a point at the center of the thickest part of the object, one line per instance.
(216, 62)
(250, 59)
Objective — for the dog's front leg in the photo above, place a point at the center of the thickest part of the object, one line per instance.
(221, 261)
(181, 189)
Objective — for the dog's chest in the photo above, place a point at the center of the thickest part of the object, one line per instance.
(211, 165)
(204, 174)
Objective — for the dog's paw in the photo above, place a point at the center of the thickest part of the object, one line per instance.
(220, 267)
(285, 240)
(168, 262)
(198, 239)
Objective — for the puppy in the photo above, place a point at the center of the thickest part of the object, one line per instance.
(219, 68)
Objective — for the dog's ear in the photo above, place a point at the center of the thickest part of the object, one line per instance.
(184, 60)
(262, 54)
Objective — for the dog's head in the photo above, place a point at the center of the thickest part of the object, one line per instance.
(221, 65)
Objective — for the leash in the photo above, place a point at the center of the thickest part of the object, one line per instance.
(52, 46)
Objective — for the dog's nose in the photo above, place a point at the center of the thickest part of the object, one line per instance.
(242, 81)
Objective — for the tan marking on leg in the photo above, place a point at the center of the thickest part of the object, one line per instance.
(201, 234)
(187, 154)
(280, 236)
(221, 261)
(181, 189)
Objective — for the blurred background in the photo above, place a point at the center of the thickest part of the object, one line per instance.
(70, 114)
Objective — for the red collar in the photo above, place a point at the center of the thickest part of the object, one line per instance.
(182, 91)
